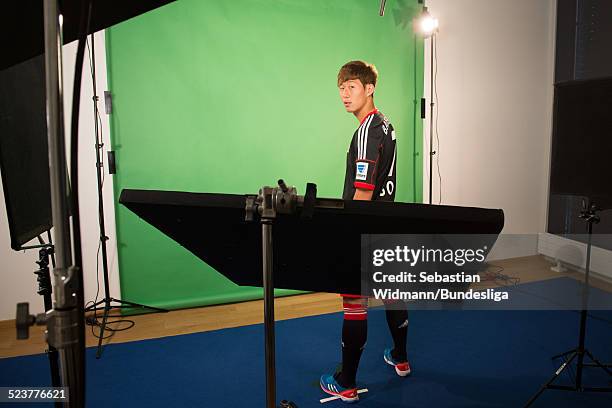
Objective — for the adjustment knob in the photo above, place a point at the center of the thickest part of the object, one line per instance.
(24, 320)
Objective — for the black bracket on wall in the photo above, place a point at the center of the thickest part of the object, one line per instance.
(112, 166)
(422, 108)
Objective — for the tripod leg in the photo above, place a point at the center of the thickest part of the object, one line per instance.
(553, 378)
(102, 327)
(597, 363)
(95, 305)
(563, 354)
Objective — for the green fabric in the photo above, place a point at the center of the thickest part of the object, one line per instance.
(227, 96)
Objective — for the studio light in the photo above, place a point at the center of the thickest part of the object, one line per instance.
(426, 24)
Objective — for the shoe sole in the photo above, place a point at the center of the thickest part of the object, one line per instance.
(344, 399)
(397, 371)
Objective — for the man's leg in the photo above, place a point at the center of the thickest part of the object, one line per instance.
(354, 336)
(397, 320)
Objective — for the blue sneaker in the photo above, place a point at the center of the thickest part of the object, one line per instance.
(331, 386)
(402, 368)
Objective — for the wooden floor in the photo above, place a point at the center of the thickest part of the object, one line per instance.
(527, 269)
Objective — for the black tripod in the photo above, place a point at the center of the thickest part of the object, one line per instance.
(271, 202)
(589, 214)
(108, 300)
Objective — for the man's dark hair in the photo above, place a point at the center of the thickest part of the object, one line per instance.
(360, 70)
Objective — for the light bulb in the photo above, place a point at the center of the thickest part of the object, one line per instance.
(429, 24)
(426, 24)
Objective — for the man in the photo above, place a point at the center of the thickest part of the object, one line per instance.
(370, 175)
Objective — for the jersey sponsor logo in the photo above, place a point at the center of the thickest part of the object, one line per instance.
(362, 171)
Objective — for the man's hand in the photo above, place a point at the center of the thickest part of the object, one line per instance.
(362, 194)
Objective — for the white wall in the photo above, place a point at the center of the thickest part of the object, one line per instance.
(16, 268)
(495, 90)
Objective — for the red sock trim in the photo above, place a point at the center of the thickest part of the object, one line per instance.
(355, 316)
(349, 305)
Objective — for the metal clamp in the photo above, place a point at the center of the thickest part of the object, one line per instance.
(65, 290)
(62, 328)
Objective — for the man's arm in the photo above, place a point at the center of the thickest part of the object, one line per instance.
(363, 194)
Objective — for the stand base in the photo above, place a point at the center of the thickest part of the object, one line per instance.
(107, 308)
(572, 354)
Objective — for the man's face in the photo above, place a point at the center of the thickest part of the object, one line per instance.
(354, 94)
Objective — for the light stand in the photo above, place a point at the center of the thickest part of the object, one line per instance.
(381, 11)
(431, 112)
(589, 214)
(270, 202)
(427, 26)
(64, 322)
(108, 300)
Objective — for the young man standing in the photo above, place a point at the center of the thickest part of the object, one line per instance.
(370, 175)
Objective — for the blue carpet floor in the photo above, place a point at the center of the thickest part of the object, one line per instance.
(459, 359)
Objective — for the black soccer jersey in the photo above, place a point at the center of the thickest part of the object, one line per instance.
(370, 160)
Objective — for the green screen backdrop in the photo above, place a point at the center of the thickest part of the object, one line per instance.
(227, 96)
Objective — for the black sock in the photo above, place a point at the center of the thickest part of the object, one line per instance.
(398, 326)
(354, 335)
